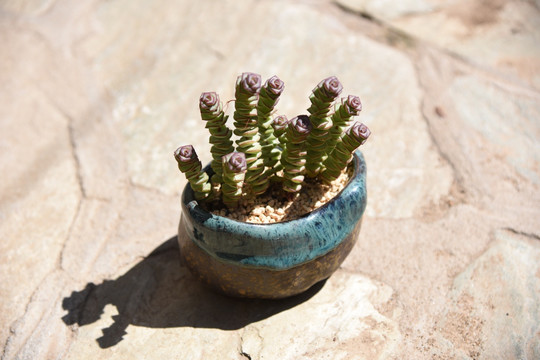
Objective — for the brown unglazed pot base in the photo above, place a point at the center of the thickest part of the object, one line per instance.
(255, 282)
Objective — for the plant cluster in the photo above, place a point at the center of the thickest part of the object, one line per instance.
(272, 149)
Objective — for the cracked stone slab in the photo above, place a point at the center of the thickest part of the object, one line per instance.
(494, 308)
(167, 312)
(486, 128)
(500, 117)
(40, 333)
(343, 321)
(39, 182)
(25, 7)
(148, 343)
(501, 35)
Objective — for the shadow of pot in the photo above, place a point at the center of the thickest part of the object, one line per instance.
(272, 260)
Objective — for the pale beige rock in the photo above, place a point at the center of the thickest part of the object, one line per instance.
(500, 118)
(25, 7)
(501, 35)
(147, 343)
(494, 310)
(343, 314)
(40, 333)
(344, 323)
(39, 193)
(485, 128)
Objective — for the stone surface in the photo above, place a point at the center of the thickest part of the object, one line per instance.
(96, 95)
(494, 303)
(500, 35)
(344, 314)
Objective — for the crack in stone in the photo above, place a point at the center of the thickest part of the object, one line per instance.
(58, 266)
(522, 233)
(78, 173)
(245, 355)
(241, 351)
(13, 332)
(148, 188)
(363, 14)
(389, 34)
(458, 191)
(71, 136)
(76, 160)
(121, 203)
(241, 347)
(73, 147)
(394, 37)
(69, 234)
(19, 320)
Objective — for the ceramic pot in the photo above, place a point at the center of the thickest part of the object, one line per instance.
(272, 260)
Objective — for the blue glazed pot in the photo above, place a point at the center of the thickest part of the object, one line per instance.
(272, 260)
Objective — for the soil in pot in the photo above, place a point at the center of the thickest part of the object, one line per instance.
(277, 205)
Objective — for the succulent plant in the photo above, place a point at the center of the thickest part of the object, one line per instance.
(272, 148)
(344, 112)
(246, 126)
(279, 124)
(220, 136)
(322, 98)
(190, 165)
(342, 154)
(268, 98)
(293, 158)
(234, 171)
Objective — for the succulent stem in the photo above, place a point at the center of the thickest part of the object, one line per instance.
(349, 107)
(268, 98)
(246, 127)
(322, 97)
(190, 165)
(279, 124)
(342, 154)
(234, 170)
(211, 110)
(293, 156)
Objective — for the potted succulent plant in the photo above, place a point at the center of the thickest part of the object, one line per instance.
(280, 211)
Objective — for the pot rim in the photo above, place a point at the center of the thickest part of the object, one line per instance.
(193, 207)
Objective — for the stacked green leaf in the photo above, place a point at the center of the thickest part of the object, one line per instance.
(344, 112)
(190, 165)
(279, 124)
(246, 126)
(293, 158)
(268, 98)
(211, 110)
(234, 170)
(322, 98)
(342, 154)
